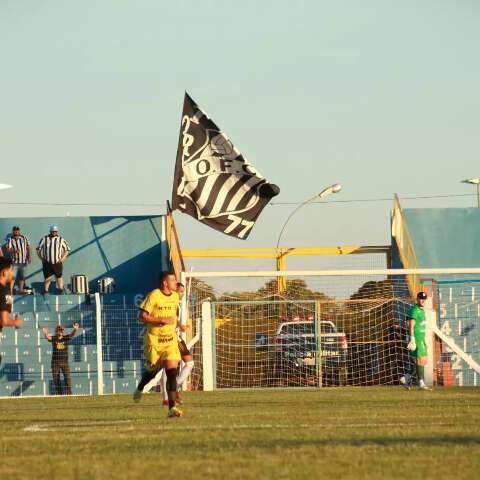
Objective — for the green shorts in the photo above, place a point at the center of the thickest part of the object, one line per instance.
(421, 350)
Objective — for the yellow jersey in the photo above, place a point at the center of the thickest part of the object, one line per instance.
(158, 304)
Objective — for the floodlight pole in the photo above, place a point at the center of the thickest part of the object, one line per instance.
(475, 181)
(5, 186)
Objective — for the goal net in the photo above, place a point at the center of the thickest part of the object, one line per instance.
(329, 328)
(258, 330)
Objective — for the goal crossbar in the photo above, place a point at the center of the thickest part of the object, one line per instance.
(336, 273)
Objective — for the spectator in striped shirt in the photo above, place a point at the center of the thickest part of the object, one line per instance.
(52, 251)
(21, 253)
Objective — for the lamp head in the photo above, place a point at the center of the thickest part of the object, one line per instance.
(472, 181)
(4, 186)
(335, 188)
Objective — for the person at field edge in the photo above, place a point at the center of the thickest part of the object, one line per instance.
(417, 344)
(6, 298)
(52, 251)
(60, 365)
(187, 359)
(159, 313)
(21, 253)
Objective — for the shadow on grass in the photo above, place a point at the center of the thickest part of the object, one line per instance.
(465, 440)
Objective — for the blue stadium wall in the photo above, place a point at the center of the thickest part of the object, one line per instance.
(449, 238)
(132, 249)
(443, 237)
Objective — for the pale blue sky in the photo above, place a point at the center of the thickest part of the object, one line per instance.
(380, 96)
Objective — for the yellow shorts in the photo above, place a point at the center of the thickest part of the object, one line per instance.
(155, 355)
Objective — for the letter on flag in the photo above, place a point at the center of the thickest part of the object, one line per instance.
(213, 182)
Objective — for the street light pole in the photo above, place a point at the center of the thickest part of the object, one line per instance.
(475, 181)
(5, 186)
(281, 281)
(335, 188)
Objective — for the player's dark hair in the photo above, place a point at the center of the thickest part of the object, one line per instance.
(164, 275)
(180, 284)
(5, 263)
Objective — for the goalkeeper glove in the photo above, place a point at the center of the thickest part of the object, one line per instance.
(412, 346)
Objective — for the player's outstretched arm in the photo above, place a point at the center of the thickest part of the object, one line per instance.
(76, 328)
(46, 335)
(7, 321)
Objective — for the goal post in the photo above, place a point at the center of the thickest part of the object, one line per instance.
(208, 347)
(325, 328)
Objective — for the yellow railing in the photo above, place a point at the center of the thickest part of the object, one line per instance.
(281, 254)
(271, 252)
(405, 246)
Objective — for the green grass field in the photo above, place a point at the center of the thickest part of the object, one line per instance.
(330, 433)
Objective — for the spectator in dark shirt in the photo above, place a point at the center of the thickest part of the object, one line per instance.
(60, 357)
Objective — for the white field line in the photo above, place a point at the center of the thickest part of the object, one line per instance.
(75, 395)
(306, 426)
(71, 426)
(35, 428)
(48, 427)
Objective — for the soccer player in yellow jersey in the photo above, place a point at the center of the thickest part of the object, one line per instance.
(159, 313)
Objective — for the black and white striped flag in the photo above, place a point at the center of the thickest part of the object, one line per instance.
(213, 182)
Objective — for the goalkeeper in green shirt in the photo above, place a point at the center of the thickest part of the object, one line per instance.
(417, 344)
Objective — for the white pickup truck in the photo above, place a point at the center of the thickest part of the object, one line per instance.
(296, 349)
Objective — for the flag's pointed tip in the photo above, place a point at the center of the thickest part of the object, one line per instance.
(189, 100)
